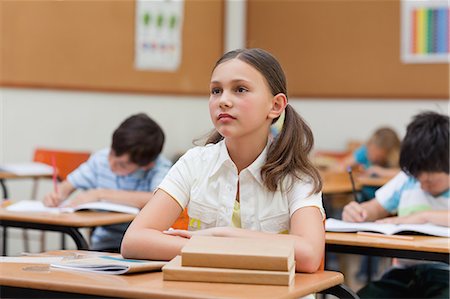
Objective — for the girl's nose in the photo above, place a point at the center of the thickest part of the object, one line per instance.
(225, 101)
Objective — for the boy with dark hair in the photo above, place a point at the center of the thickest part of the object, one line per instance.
(418, 194)
(127, 173)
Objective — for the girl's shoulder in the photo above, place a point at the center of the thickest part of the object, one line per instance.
(202, 153)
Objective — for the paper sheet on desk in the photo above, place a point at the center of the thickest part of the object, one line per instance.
(334, 225)
(30, 168)
(38, 206)
(31, 260)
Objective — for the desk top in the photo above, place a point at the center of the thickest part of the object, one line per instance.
(419, 243)
(152, 285)
(76, 219)
(339, 182)
(10, 175)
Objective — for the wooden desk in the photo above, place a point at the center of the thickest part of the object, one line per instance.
(421, 247)
(68, 223)
(371, 181)
(16, 282)
(336, 183)
(4, 175)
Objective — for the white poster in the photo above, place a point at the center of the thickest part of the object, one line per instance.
(159, 27)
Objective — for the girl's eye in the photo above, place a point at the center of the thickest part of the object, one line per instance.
(241, 89)
(215, 90)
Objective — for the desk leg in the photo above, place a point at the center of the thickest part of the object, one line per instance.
(77, 238)
(4, 189)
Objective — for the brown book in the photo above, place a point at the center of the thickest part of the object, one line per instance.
(239, 253)
(173, 270)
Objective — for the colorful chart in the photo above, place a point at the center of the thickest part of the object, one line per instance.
(430, 30)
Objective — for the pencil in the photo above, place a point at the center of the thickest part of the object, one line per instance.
(378, 235)
(55, 181)
(349, 170)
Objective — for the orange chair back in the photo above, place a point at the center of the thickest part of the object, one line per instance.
(65, 161)
(182, 221)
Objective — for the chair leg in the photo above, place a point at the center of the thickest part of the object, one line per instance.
(26, 244)
(340, 291)
(43, 241)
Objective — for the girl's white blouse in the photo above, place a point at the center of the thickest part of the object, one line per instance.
(205, 181)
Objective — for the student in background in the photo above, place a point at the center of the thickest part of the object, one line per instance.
(418, 194)
(127, 173)
(378, 157)
(243, 183)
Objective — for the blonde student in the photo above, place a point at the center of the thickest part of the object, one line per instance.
(379, 155)
(242, 183)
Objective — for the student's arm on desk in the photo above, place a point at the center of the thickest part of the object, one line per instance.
(159, 244)
(363, 212)
(136, 199)
(145, 239)
(433, 217)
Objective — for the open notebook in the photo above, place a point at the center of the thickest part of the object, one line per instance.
(334, 225)
(38, 206)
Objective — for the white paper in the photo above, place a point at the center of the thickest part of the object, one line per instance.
(158, 40)
(31, 168)
(334, 225)
(31, 260)
(38, 206)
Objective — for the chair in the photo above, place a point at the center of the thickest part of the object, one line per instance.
(65, 162)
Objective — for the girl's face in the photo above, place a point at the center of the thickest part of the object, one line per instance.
(376, 155)
(241, 103)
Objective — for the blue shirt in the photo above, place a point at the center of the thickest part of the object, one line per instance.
(360, 156)
(96, 174)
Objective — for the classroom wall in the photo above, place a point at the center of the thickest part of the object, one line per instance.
(85, 120)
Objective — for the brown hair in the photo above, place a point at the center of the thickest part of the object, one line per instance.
(140, 137)
(288, 153)
(387, 139)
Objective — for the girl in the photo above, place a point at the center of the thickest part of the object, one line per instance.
(242, 183)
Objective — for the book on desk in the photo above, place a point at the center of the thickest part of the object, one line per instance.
(109, 265)
(334, 225)
(234, 260)
(38, 206)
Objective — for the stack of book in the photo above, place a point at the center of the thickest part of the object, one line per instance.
(234, 260)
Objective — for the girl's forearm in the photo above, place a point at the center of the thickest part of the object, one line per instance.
(151, 244)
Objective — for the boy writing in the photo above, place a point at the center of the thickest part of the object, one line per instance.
(418, 194)
(127, 173)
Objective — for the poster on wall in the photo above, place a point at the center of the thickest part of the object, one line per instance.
(425, 31)
(158, 40)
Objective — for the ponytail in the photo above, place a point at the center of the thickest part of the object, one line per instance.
(288, 154)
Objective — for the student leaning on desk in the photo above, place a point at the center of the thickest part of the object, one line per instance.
(242, 183)
(418, 194)
(127, 173)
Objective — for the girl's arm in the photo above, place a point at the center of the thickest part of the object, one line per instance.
(145, 239)
(307, 230)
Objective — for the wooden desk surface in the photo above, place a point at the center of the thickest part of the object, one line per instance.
(152, 285)
(419, 243)
(336, 182)
(77, 219)
(9, 175)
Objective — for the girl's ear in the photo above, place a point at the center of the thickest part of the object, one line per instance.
(279, 103)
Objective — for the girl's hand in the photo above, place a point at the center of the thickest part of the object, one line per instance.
(188, 234)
